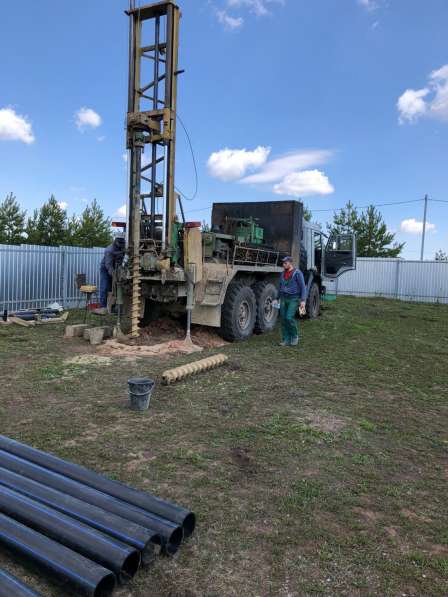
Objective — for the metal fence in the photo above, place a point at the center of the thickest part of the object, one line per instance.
(421, 281)
(33, 276)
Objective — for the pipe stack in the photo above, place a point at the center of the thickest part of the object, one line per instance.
(79, 526)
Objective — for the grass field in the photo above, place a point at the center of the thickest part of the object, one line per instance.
(321, 470)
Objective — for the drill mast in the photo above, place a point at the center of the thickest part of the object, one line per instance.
(151, 136)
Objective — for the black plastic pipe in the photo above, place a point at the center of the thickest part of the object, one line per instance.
(133, 534)
(146, 501)
(81, 574)
(10, 586)
(170, 533)
(122, 559)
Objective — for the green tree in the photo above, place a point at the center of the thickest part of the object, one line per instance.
(12, 221)
(307, 214)
(345, 221)
(441, 255)
(48, 225)
(372, 237)
(92, 229)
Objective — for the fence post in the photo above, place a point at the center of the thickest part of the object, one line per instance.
(397, 279)
(64, 274)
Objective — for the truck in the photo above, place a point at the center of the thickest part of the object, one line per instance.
(224, 275)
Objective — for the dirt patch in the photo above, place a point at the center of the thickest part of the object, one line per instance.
(414, 516)
(89, 359)
(368, 515)
(163, 337)
(325, 422)
(166, 329)
(244, 461)
(118, 349)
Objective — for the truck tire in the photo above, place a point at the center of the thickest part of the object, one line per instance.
(239, 313)
(265, 293)
(313, 301)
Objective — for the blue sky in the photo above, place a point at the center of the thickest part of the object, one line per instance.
(328, 100)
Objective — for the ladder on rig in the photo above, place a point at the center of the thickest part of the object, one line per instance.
(151, 135)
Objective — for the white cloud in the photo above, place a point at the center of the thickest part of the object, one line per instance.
(369, 5)
(125, 157)
(101, 139)
(258, 7)
(439, 82)
(86, 117)
(14, 127)
(276, 170)
(412, 226)
(431, 101)
(304, 184)
(411, 105)
(121, 211)
(230, 23)
(63, 205)
(232, 164)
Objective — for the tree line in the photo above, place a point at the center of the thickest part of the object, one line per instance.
(51, 226)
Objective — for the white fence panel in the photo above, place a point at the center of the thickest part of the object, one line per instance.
(34, 276)
(423, 281)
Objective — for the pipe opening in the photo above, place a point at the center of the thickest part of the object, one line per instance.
(189, 524)
(130, 567)
(173, 544)
(106, 586)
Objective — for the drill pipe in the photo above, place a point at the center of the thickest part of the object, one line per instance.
(115, 526)
(12, 586)
(178, 373)
(150, 503)
(110, 553)
(170, 533)
(83, 575)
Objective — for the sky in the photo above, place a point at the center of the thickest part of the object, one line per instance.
(321, 100)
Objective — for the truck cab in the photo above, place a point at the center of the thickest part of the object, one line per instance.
(323, 259)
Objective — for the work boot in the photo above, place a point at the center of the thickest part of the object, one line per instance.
(295, 341)
(284, 343)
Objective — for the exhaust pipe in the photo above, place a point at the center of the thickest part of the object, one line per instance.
(146, 501)
(170, 533)
(110, 553)
(140, 538)
(84, 576)
(10, 585)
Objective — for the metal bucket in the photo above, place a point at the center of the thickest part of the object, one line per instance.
(140, 390)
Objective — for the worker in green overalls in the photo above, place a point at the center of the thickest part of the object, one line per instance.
(292, 297)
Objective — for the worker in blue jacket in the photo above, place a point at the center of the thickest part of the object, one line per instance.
(113, 256)
(292, 297)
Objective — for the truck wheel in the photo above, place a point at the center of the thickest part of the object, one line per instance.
(265, 294)
(313, 301)
(239, 313)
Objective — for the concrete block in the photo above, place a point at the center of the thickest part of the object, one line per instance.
(75, 331)
(107, 332)
(96, 336)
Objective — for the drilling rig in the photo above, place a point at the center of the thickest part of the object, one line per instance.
(224, 276)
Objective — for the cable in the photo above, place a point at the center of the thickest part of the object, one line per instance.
(194, 163)
(341, 208)
(367, 206)
(439, 200)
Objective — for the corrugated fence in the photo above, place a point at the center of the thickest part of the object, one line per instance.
(33, 276)
(422, 281)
